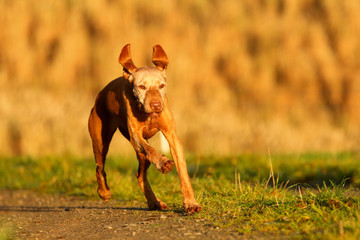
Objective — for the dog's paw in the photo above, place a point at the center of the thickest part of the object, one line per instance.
(191, 208)
(158, 205)
(166, 165)
(105, 194)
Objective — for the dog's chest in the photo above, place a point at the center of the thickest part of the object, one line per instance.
(151, 128)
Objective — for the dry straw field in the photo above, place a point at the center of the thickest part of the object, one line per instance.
(244, 76)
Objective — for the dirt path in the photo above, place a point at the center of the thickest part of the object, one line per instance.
(37, 216)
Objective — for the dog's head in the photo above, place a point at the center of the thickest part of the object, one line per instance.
(149, 83)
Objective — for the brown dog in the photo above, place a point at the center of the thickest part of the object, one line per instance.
(136, 104)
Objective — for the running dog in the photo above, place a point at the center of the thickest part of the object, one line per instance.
(137, 105)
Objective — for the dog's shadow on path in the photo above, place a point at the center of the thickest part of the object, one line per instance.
(29, 202)
(5, 208)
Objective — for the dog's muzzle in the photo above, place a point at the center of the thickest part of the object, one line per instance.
(156, 106)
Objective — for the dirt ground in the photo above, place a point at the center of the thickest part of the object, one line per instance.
(38, 216)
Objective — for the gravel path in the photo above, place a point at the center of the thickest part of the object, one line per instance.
(38, 216)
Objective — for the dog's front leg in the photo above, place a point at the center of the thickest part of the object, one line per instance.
(177, 153)
(142, 147)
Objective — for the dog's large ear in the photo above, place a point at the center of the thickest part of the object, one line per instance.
(159, 57)
(127, 63)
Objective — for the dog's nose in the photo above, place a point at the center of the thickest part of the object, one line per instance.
(155, 106)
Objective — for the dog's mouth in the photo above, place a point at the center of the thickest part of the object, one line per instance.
(154, 114)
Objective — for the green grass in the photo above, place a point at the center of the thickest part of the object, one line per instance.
(311, 196)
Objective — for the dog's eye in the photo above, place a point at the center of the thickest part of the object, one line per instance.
(162, 86)
(142, 87)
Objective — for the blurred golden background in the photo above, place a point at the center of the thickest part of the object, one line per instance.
(244, 76)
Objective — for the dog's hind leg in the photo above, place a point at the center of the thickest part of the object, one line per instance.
(101, 132)
(153, 202)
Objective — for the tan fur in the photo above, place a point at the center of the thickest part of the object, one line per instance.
(136, 104)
